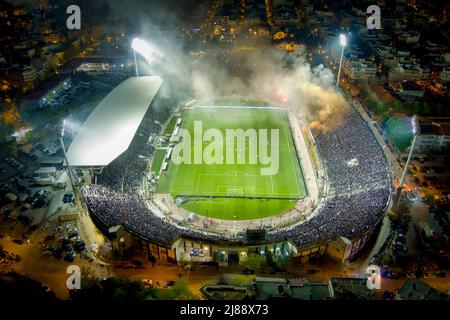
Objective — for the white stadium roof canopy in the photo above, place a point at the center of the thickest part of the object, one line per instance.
(110, 128)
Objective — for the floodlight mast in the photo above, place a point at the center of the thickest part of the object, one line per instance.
(343, 42)
(68, 168)
(135, 63)
(63, 125)
(133, 45)
(416, 132)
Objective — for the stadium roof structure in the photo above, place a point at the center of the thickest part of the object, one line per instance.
(110, 128)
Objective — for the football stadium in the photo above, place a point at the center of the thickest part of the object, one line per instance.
(214, 181)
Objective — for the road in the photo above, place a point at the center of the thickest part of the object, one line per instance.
(52, 271)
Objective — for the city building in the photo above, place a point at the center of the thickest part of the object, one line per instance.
(94, 66)
(410, 37)
(98, 30)
(224, 292)
(408, 90)
(350, 288)
(387, 55)
(360, 69)
(444, 75)
(379, 94)
(301, 289)
(29, 74)
(402, 72)
(415, 289)
(49, 61)
(46, 92)
(434, 133)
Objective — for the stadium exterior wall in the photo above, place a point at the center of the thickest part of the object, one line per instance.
(340, 248)
(344, 249)
(153, 249)
(147, 247)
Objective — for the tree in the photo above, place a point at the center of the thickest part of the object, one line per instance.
(112, 289)
(399, 132)
(284, 263)
(253, 262)
(426, 108)
(242, 280)
(14, 286)
(180, 291)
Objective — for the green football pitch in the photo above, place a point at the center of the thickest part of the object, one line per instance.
(237, 191)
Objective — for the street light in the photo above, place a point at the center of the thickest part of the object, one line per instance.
(343, 42)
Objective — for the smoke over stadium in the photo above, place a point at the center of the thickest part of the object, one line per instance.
(300, 87)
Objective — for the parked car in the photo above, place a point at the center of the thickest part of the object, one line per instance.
(70, 257)
(248, 271)
(80, 245)
(49, 237)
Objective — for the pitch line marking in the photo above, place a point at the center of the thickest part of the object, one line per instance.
(290, 154)
(229, 174)
(275, 195)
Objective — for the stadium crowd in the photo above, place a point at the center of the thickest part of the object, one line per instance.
(359, 189)
(356, 170)
(113, 208)
(352, 141)
(126, 172)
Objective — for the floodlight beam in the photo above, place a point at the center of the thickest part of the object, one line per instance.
(143, 48)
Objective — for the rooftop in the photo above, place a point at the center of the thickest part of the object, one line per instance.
(110, 128)
(436, 126)
(224, 292)
(301, 289)
(76, 62)
(354, 287)
(382, 94)
(414, 289)
(45, 87)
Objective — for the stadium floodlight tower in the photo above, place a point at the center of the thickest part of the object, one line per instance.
(343, 42)
(416, 132)
(69, 171)
(144, 49)
(135, 62)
